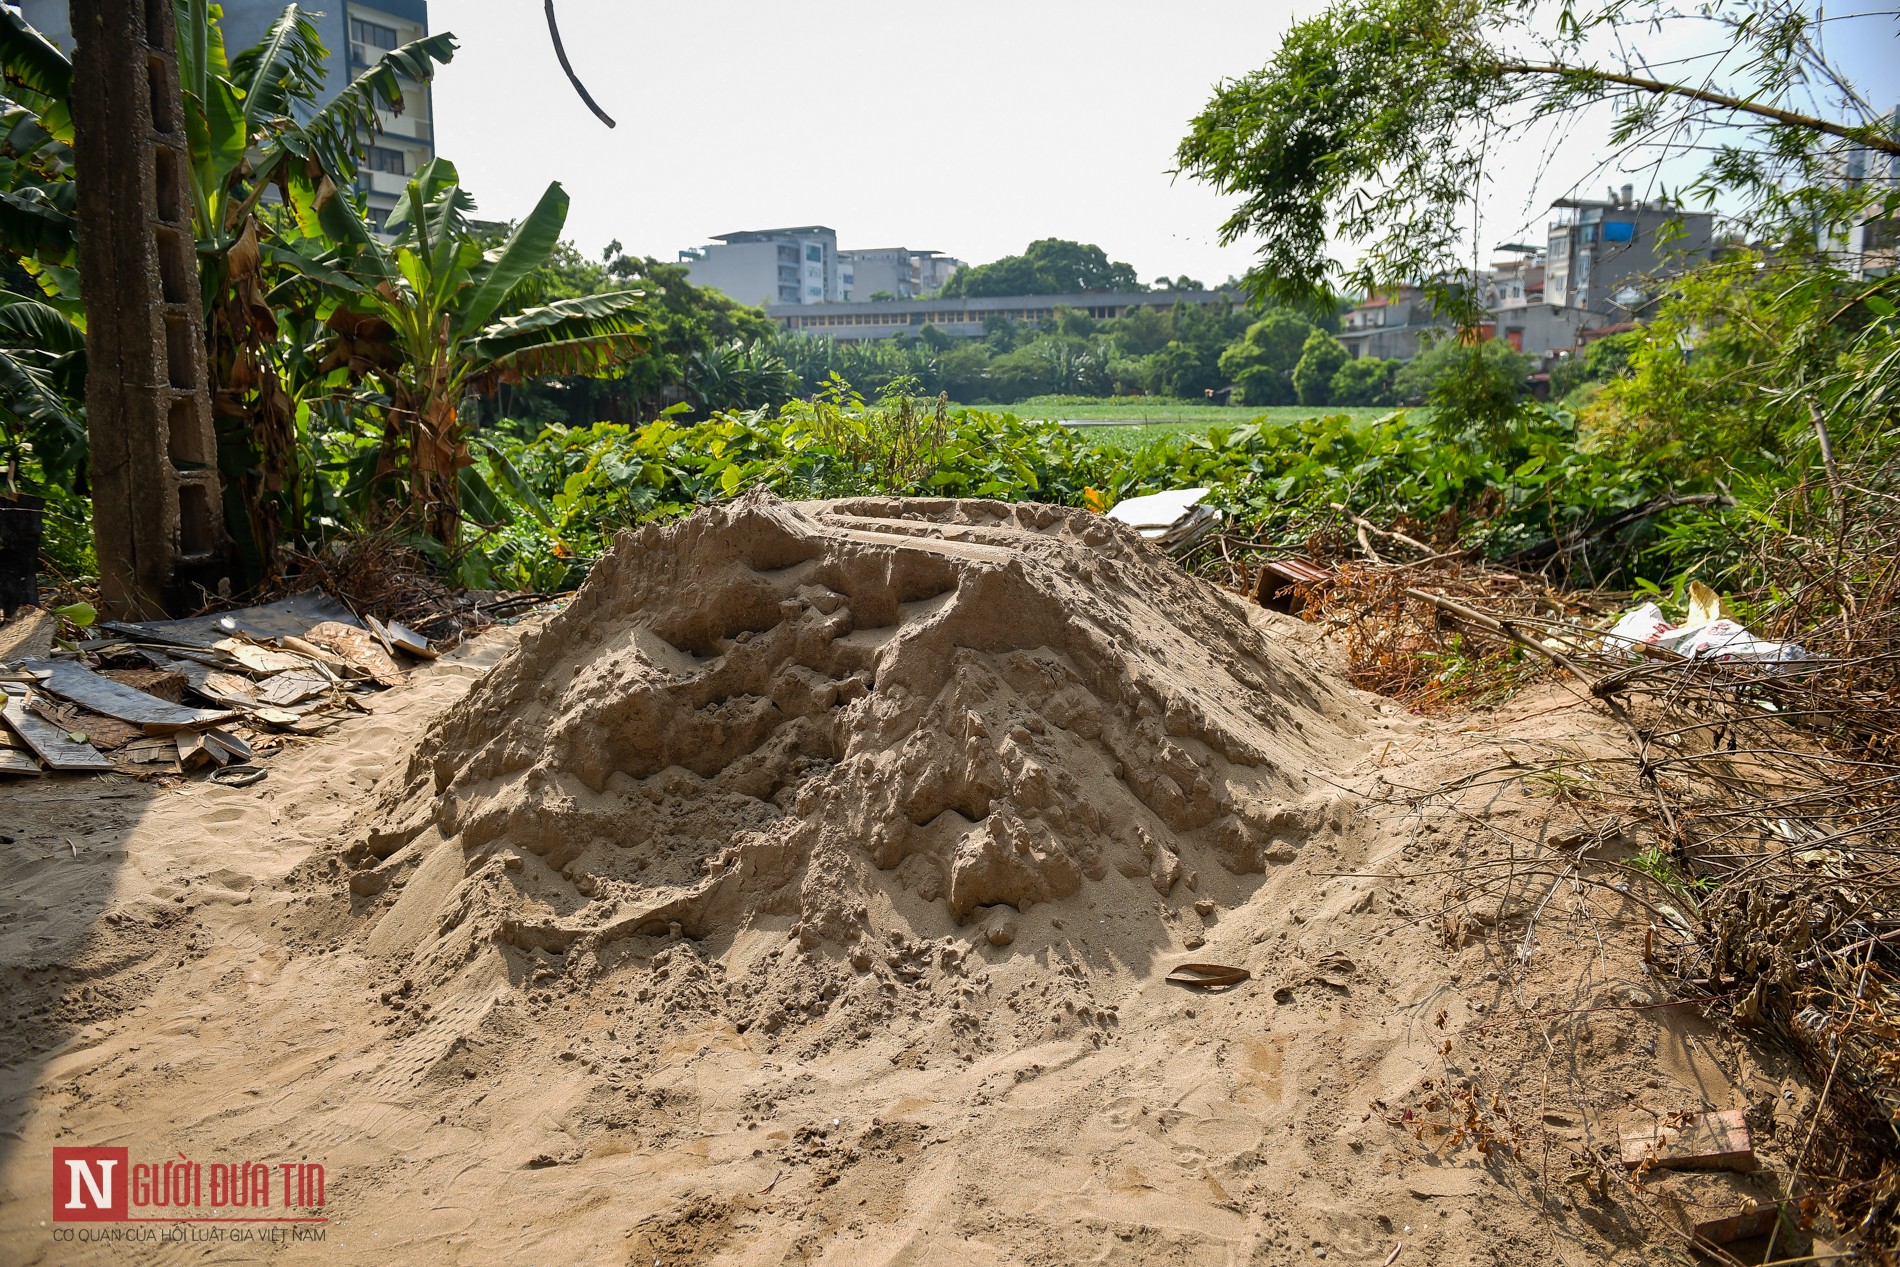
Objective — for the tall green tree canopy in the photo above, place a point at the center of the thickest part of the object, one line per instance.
(1051, 266)
(1369, 127)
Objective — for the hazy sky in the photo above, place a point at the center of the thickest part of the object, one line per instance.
(969, 128)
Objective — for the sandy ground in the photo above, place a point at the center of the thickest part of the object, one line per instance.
(188, 971)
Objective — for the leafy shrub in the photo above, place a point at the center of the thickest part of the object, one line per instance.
(1321, 357)
(1366, 381)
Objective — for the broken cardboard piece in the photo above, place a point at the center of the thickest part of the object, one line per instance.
(53, 745)
(399, 636)
(1707, 1141)
(294, 687)
(261, 659)
(358, 647)
(28, 634)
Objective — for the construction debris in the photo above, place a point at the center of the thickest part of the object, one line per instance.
(291, 665)
(58, 749)
(1707, 634)
(1172, 520)
(1705, 1141)
(73, 681)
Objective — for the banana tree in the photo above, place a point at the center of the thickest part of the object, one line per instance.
(37, 194)
(256, 127)
(42, 382)
(435, 318)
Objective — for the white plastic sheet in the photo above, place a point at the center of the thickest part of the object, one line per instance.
(1718, 638)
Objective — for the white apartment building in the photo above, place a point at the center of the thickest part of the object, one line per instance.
(803, 265)
(796, 265)
(355, 36)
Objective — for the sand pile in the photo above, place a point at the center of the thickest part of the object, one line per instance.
(879, 729)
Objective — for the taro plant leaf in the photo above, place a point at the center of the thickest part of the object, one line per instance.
(522, 491)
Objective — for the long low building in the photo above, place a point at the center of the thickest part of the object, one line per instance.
(970, 318)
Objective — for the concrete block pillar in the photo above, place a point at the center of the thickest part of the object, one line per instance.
(157, 526)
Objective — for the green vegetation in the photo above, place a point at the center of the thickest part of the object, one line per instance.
(435, 318)
(570, 489)
(1051, 266)
(507, 404)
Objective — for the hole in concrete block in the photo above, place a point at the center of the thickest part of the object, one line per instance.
(184, 437)
(181, 362)
(157, 15)
(197, 533)
(158, 73)
(174, 266)
(168, 181)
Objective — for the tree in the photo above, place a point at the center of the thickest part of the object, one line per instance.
(1274, 342)
(1471, 384)
(1321, 357)
(1371, 124)
(1263, 385)
(1184, 370)
(252, 126)
(242, 115)
(686, 326)
(1365, 381)
(1050, 266)
(435, 318)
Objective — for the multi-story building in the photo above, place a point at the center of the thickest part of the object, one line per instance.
(1390, 325)
(355, 35)
(970, 318)
(1520, 312)
(798, 265)
(895, 271)
(1869, 245)
(803, 265)
(1605, 256)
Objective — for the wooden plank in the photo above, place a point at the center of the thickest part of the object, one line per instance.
(1738, 1227)
(14, 757)
(1707, 1141)
(162, 750)
(50, 742)
(71, 680)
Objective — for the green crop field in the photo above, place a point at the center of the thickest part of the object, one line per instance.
(1132, 421)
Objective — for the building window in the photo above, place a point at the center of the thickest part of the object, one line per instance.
(816, 254)
(816, 292)
(383, 159)
(372, 35)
